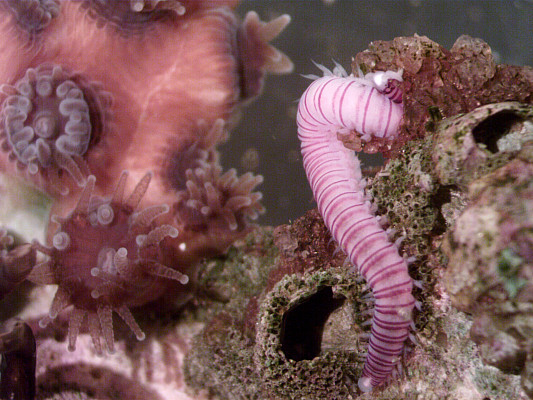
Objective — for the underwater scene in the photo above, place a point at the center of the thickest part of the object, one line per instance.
(266, 199)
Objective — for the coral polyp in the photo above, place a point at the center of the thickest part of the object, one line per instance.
(47, 122)
(258, 55)
(106, 257)
(133, 15)
(190, 154)
(32, 15)
(220, 200)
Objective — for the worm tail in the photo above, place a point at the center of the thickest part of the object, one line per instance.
(331, 104)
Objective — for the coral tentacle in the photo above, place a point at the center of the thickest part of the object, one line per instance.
(74, 324)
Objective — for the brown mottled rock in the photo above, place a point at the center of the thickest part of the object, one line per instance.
(304, 245)
(439, 83)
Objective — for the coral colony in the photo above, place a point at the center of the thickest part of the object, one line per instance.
(122, 136)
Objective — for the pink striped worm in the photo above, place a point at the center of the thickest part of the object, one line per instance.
(371, 106)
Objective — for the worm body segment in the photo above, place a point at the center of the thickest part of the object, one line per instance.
(371, 107)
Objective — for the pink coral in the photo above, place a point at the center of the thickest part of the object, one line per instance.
(138, 107)
(205, 64)
(49, 118)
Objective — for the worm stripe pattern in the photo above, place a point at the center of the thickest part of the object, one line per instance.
(371, 106)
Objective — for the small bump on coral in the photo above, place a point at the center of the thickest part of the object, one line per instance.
(105, 214)
(61, 240)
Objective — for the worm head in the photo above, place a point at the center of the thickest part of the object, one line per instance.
(380, 79)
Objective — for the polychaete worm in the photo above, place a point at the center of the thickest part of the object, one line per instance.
(370, 105)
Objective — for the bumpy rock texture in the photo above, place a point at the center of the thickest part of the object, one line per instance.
(441, 83)
(294, 344)
(457, 190)
(490, 264)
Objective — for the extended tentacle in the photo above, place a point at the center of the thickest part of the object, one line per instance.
(145, 217)
(84, 201)
(156, 235)
(128, 318)
(139, 191)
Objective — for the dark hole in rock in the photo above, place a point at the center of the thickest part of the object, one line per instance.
(303, 324)
(442, 196)
(493, 128)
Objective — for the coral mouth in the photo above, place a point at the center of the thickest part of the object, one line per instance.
(48, 120)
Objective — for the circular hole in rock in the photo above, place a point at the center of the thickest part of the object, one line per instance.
(303, 324)
(493, 128)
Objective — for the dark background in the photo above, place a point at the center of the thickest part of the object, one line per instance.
(323, 30)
